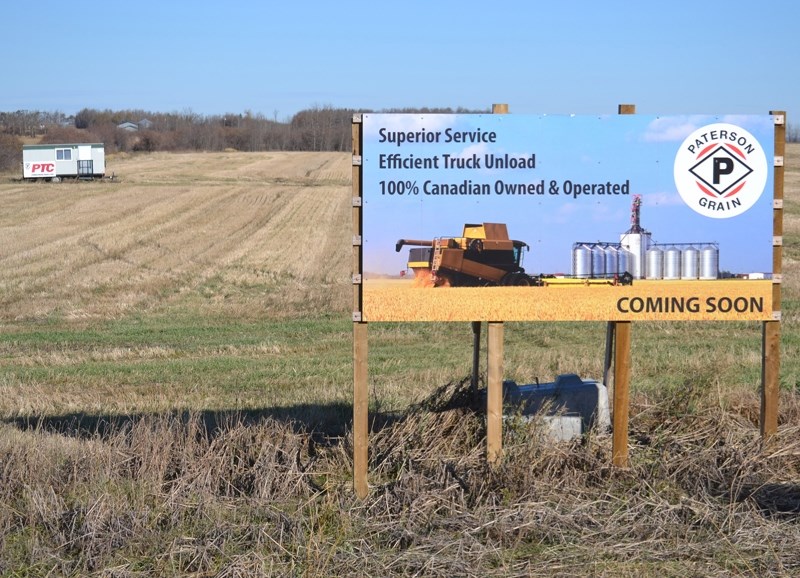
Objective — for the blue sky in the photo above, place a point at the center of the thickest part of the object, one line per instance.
(276, 58)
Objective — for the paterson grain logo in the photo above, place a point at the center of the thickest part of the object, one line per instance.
(720, 170)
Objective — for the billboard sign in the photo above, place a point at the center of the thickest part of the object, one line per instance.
(516, 217)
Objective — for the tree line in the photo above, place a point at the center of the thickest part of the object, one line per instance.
(315, 129)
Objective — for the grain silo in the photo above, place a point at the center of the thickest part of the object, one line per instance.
(598, 261)
(612, 260)
(581, 260)
(672, 263)
(637, 255)
(655, 263)
(709, 262)
(690, 261)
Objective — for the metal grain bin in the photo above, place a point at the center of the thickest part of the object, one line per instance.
(582, 261)
(612, 260)
(690, 261)
(655, 263)
(672, 263)
(709, 262)
(623, 261)
(598, 261)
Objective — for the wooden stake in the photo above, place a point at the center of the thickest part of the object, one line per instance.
(622, 374)
(360, 410)
(771, 330)
(494, 388)
(360, 385)
(620, 335)
(494, 396)
(770, 373)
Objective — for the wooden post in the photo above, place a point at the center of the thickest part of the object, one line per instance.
(494, 395)
(619, 333)
(360, 410)
(771, 330)
(622, 376)
(360, 385)
(494, 387)
(770, 372)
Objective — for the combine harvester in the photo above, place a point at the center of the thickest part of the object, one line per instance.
(484, 256)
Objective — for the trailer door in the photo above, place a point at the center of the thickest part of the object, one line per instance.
(85, 164)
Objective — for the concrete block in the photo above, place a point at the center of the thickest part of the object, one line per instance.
(570, 406)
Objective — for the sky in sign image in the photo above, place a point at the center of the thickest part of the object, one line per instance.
(558, 180)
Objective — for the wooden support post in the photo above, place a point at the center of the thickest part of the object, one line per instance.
(360, 410)
(494, 397)
(619, 333)
(771, 330)
(770, 373)
(622, 373)
(494, 369)
(360, 384)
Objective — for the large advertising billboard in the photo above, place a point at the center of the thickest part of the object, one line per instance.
(615, 218)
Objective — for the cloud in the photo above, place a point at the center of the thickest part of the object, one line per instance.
(677, 128)
(673, 128)
(662, 199)
(477, 149)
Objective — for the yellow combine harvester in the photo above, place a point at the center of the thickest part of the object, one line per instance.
(483, 255)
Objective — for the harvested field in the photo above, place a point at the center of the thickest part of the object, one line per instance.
(169, 224)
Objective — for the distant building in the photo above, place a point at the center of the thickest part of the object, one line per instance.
(145, 124)
(53, 162)
(129, 126)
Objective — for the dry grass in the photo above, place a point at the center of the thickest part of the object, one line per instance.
(182, 496)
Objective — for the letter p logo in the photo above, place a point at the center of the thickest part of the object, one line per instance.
(722, 166)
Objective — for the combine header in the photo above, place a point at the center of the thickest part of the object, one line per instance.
(483, 256)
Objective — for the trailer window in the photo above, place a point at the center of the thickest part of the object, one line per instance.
(63, 154)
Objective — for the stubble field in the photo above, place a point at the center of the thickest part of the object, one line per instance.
(175, 389)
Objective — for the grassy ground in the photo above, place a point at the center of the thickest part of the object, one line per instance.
(175, 388)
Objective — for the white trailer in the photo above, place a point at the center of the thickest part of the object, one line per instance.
(56, 161)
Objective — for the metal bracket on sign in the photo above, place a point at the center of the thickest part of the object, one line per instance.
(356, 201)
(356, 119)
(778, 161)
(356, 160)
(357, 279)
(357, 316)
(777, 204)
(777, 241)
(777, 278)
(776, 315)
(356, 240)
(780, 119)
